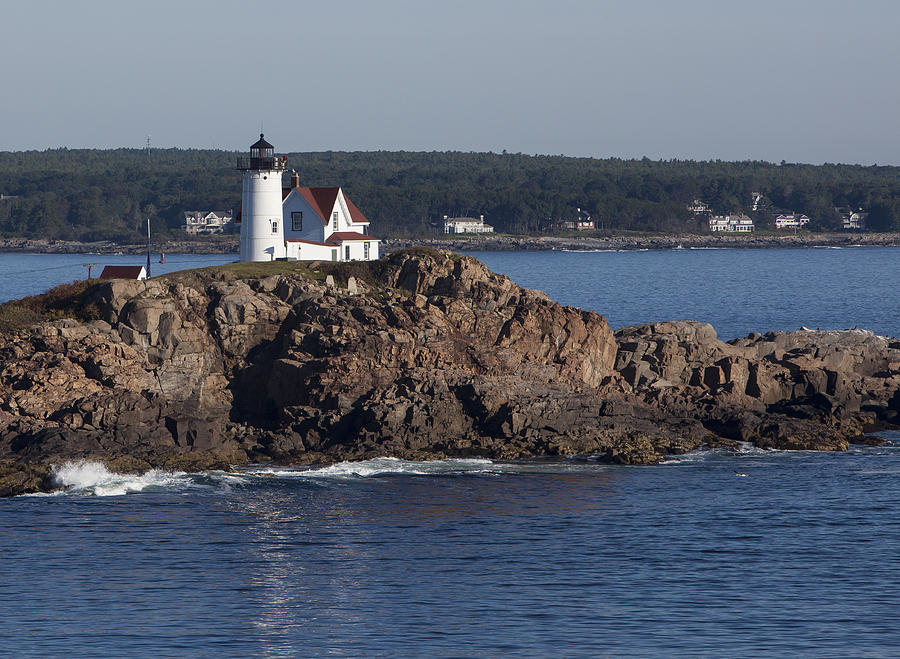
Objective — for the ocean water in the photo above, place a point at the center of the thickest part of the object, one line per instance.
(29, 274)
(737, 290)
(745, 553)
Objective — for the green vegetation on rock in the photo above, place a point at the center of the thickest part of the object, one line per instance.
(63, 301)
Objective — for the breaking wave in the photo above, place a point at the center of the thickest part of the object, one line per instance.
(449, 467)
(90, 478)
(378, 467)
(744, 449)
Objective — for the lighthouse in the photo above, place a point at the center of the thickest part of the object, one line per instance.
(262, 233)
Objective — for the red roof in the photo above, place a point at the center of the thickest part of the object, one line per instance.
(343, 236)
(322, 201)
(122, 272)
(355, 214)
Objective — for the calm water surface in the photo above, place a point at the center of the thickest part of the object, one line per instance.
(466, 558)
(737, 290)
(715, 554)
(29, 274)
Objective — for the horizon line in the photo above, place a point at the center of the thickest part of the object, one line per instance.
(504, 152)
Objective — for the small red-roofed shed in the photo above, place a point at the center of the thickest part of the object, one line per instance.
(135, 272)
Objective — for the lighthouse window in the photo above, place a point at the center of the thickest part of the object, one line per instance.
(297, 221)
(334, 217)
(274, 226)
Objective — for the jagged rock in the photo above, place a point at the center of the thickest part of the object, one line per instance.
(18, 478)
(431, 355)
(803, 388)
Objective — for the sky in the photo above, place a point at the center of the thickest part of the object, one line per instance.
(797, 80)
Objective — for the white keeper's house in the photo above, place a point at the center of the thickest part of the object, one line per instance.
(296, 223)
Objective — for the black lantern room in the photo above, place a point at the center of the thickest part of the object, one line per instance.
(262, 157)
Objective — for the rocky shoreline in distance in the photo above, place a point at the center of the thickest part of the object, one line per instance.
(490, 242)
(218, 245)
(422, 355)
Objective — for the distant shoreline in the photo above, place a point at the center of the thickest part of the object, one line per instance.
(649, 241)
(500, 242)
(28, 246)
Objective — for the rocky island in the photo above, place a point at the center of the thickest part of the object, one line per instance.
(424, 354)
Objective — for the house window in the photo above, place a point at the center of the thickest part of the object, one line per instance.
(365, 251)
(334, 216)
(334, 255)
(274, 226)
(297, 221)
(346, 252)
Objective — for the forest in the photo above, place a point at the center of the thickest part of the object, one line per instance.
(89, 194)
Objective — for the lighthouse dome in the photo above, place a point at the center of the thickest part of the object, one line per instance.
(262, 157)
(261, 144)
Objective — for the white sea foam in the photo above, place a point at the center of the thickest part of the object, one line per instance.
(379, 467)
(85, 477)
(695, 456)
(384, 466)
(743, 450)
(746, 448)
(587, 251)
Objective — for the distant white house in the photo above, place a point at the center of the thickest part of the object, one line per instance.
(851, 219)
(734, 223)
(791, 221)
(582, 222)
(197, 222)
(755, 198)
(698, 207)
(466, 225)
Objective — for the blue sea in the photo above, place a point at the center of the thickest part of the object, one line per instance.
(29, 274)
(744, 553)
(737, 290)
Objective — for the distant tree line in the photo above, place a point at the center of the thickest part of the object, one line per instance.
(109, 194)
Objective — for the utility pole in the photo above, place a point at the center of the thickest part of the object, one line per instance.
(90, 266)
(148, 147)
(148, 248)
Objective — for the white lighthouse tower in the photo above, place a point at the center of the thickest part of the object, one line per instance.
(262, 236)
